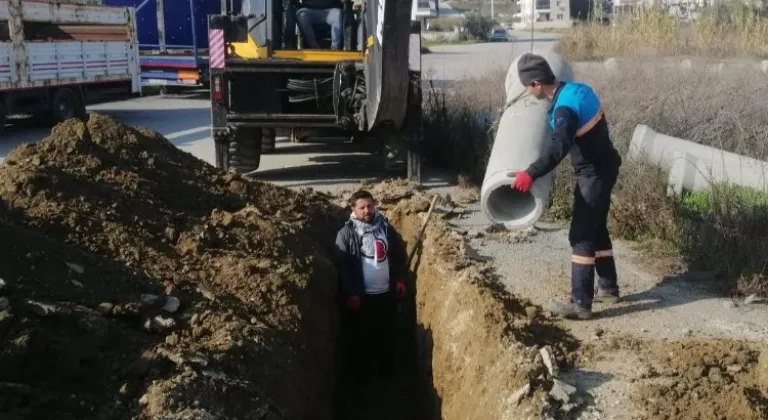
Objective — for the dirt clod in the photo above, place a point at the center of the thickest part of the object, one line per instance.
(701, 379)
(124, 250)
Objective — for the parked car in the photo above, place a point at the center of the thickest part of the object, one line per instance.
(499, 35)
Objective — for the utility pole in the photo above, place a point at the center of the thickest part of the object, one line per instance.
(533, 18)
(492, 15)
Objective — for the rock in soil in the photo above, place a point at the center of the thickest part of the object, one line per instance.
(124, 213)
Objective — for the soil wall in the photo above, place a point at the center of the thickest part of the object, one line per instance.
(478, 346)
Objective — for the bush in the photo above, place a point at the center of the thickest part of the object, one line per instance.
(729, 30)
(725, 230)
(444, 24)
(457, 123)
(478, 26)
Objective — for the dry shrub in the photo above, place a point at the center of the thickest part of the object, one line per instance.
(727, 30)
(726, 111)
(444, 24)
(640, 208)
(560, 205)
(457, 122)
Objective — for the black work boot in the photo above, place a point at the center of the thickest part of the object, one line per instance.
(568, 308)
(607, 296)
(607, 286)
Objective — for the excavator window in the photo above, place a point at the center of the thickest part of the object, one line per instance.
(318, 26)
(274, 22)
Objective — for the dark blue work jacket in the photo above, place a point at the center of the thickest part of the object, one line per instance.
(579, 129)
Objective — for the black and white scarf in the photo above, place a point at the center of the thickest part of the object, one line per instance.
(369, 231)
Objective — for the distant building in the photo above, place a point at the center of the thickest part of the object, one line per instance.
(621, 7)
(685, 9)
(545, 13)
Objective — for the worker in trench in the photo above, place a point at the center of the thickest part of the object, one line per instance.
(371, 261)
(579, 128)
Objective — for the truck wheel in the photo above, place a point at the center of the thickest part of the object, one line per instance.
(268, 140)
(66, 104)
(245, 150)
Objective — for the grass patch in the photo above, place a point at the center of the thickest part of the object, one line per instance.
(435, 43)
(724, 231)
(727, 30)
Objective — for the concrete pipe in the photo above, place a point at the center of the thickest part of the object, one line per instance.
(695, 166)
(521, 138)
(691, 173)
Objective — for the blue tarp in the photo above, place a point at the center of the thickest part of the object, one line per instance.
(178, 23)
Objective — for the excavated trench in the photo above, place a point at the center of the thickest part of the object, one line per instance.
(466, 348)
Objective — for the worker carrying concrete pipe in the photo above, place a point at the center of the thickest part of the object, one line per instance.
(579, 128)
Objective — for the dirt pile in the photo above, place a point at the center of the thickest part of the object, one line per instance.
(702, 379)
(140, 282)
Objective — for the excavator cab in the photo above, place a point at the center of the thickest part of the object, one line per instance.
(284, 33)
(264, 82)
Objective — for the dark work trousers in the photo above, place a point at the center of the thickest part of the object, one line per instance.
(590, 242)
(371, 337)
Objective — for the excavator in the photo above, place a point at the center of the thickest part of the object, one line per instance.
(265, 81)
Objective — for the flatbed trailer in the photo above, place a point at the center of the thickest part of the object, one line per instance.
(56, 57)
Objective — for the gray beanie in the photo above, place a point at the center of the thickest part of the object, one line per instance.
(532, 68)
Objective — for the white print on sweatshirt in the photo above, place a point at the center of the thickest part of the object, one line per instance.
(375, 258)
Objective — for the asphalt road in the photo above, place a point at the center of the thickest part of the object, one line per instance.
(455, 62)
(185, 120)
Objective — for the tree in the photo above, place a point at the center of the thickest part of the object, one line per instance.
(478, 26)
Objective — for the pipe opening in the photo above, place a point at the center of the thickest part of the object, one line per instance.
(509, 206)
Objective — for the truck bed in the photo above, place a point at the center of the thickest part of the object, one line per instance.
(65, 63)
(69, 55)
(65, 13)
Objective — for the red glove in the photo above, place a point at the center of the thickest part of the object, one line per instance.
(353, 303)
(523, 181)
(400, 288)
